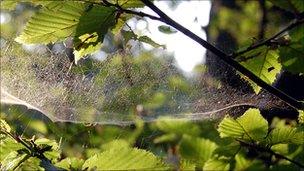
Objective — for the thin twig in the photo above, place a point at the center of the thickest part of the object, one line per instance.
(268, 41)
(138, 13)
(227, 58)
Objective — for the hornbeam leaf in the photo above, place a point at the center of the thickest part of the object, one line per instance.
(128, 3)
(264, 63)
(285, 135)
(217, 164)
(52, 23)
(124, 159)
(250, 126)
(92, 28)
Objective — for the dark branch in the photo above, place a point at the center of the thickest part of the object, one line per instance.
(227, 58)
(270, 40)
(122, 10)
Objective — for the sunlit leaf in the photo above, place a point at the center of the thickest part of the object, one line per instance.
(54, 152)
(263, 62)
(124, 159)
(217, 164)
(70, 163)
(250, 126)
(8, 5)
(301, 116)
(8, 145)
(187, 165)
(52, 23)
(92, 27)
(128, 3)
(12, 161)
(4, 127)
(244, 163)
(196, 149)
(119, 143)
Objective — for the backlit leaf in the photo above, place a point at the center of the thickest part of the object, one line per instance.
(124, 159)
(52, 23)
(263, 62)
(250, 126)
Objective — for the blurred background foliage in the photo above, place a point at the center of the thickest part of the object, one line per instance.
(184, 144)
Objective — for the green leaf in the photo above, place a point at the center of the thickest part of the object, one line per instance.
(124, 159)
(263, 62)
(149, 41)
(291, 56)
(177, 126)
(196, 149)
(166, 29)
(52, 23)
(92, 28)
(217, 164)
(13, 161)
(8, 145)
(4, 127)
(70, 163)
(128, 3)
(242, 163)
(301, 116)
(280, 148)
(228, 150)
(119, 25)
(54, 152)
(285, 135)
(119, 143)
(187, 165)
(8, 5)
(250, 126)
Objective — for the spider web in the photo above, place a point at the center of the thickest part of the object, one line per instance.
(119, 89)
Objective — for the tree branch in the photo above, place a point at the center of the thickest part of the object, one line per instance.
(270, 40)
(227, 58)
